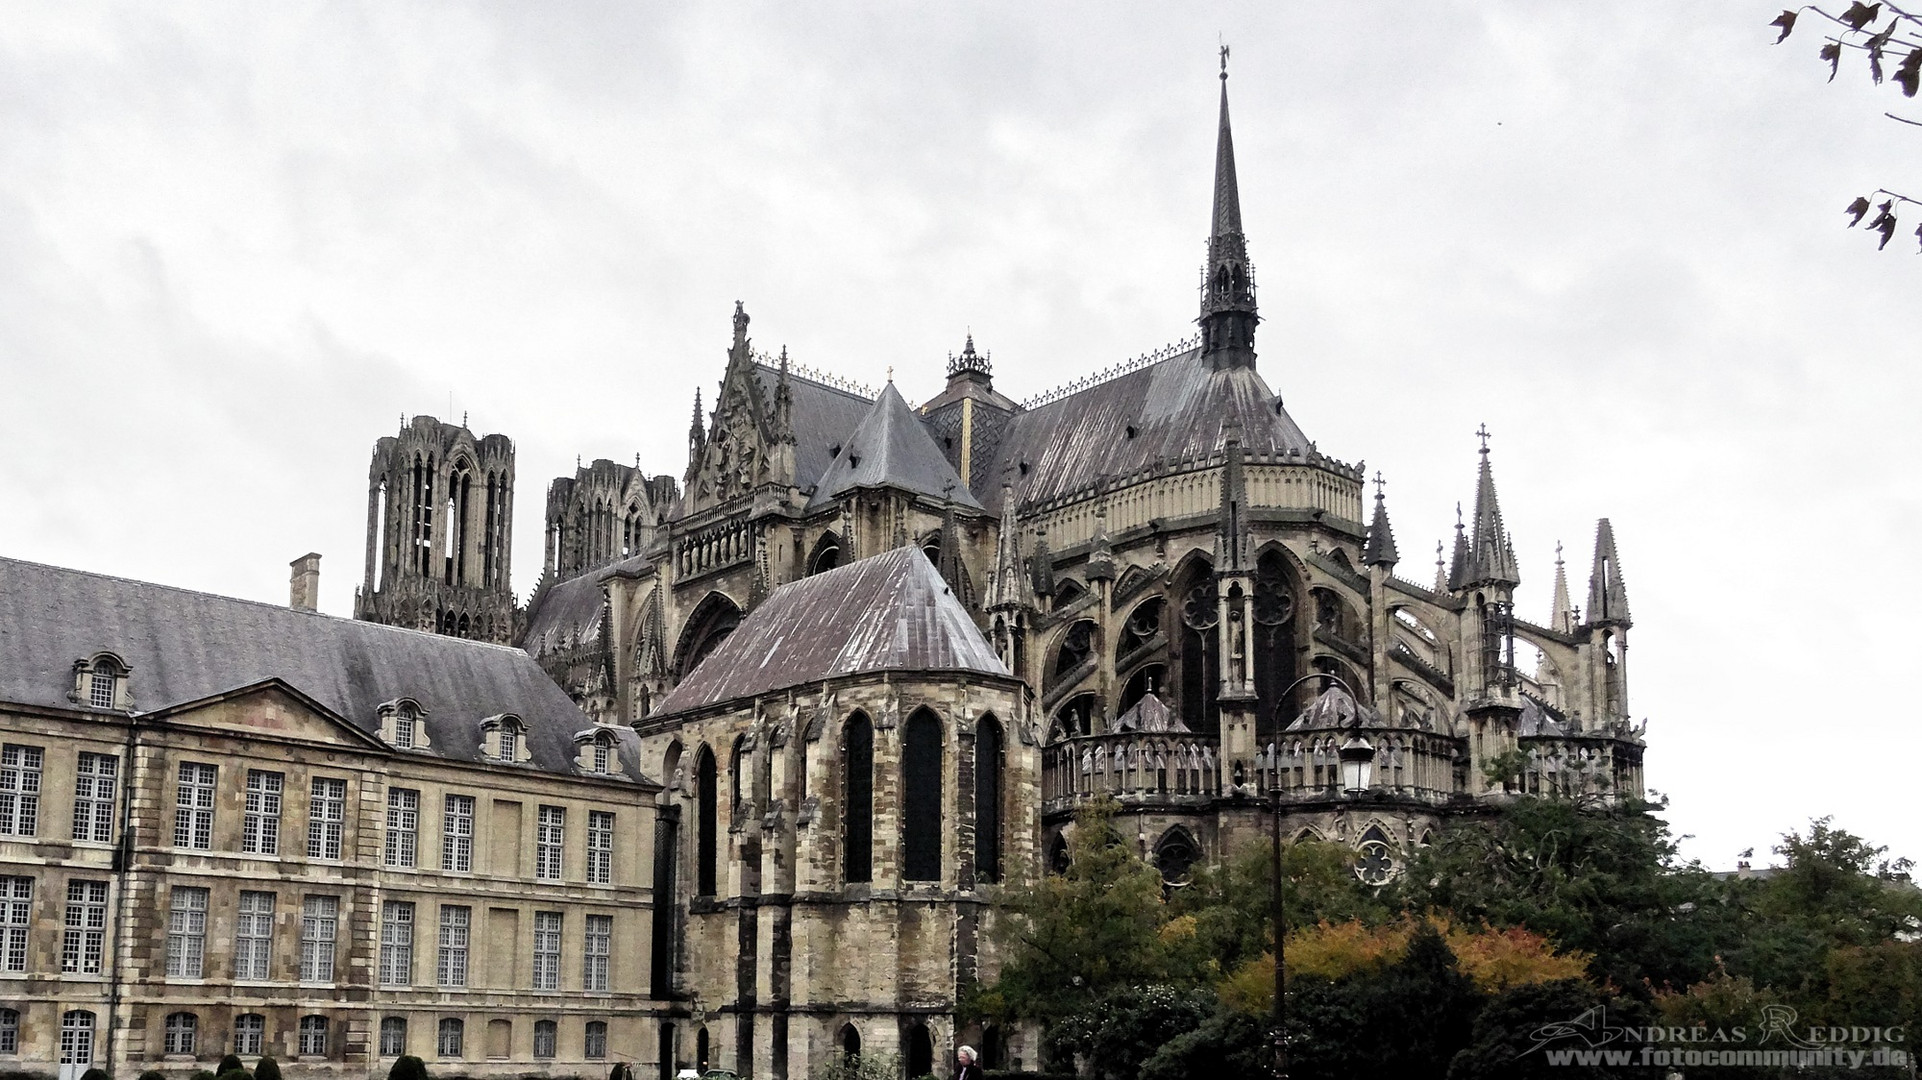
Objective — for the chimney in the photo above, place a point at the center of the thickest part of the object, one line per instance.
(1742, 869)
(304, 593)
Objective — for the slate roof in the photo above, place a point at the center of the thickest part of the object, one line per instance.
(889, 612)
(823, 416)
(892, 447)
(187, 646)
(565, 612)
(1177, 408)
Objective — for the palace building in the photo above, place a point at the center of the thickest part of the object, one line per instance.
(738, 783)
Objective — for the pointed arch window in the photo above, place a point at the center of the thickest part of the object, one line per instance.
(707, 824)
(921, 795)
(987, 799)
(857, 770)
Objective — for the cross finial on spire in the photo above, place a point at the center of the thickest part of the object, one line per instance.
(1381, 485)
(1224, 61)
(1558, 553)
(1482, 433)
(1458, 516)
(890, 372)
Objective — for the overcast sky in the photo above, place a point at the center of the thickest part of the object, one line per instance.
(239, 241)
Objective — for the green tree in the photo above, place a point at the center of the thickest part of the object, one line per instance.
(1117, 1033)
(229, 1063)
(266, 1069)
(1078, 936)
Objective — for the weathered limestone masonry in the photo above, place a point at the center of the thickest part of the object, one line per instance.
(852, 799)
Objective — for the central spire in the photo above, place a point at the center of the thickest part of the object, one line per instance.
(1228, 315)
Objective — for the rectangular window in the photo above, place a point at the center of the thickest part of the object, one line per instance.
(86, 933)
(448, 1045)
(319, 918)
(403, 826)
(93, 797)
(326, 809)
(250, 1034)
(260, 828)
(452, 968)
(547, 950)
(19, 790)
(600, 847)
(194, 806)
(594, 1045)
(396, 943)
(404, 729)
(254, 935)
(313, 1036)
(393, 1036)
(457, 834)
(548, 835)
(16, 919)
(186, 933)
(100, 689)
(544, 1038)
(598, 945)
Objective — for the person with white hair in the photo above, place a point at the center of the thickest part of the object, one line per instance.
(967, 1064)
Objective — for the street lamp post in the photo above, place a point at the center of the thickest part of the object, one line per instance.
(1357, 757)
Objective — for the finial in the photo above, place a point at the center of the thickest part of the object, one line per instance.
(783, 356)
(1438, 554)
(1224, 61)
(1558, 553)
(890, 373)
(1458, 516)
(463, 418)
(1380, 486)
(1482, 433)
(577, 461)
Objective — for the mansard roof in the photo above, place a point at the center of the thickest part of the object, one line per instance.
(187, 646)
(1168, 411)
(889, 612)
(823, 415)
(892, 448)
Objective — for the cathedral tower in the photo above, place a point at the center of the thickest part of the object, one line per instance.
(440, 524)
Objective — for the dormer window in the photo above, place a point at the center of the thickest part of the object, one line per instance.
(99, 682)
(504, 739)
(403, 724)
(598, 753)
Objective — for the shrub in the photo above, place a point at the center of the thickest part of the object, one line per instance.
(234, 1074)
(95, 1074)
(199, 1074)
(153, 1074)
(230, 1063)
(266, 1069)
(408, 1068)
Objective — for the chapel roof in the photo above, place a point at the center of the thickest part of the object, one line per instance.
(888, 612)
(891, 448)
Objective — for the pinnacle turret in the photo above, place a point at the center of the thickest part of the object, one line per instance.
(1491, 555)
(1380, 549)
(1562, 616)
(1009, 586)
(1607, 593)
(1458, 564)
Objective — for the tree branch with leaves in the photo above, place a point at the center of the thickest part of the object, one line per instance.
(1855, 31)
